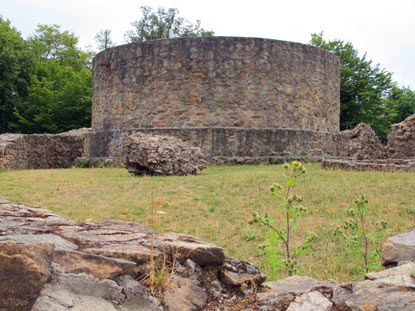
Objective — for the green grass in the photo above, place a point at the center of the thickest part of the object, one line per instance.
(216, 205)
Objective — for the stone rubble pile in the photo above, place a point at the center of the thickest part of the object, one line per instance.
(401, 140)
(143, 154)
(48, 262)
(361, 143)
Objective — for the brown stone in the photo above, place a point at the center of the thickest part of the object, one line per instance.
(24, 269)
(100, 267)
(131, 252)
(200, 252)
(237, 279)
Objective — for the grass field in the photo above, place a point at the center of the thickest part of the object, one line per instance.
(216, 205)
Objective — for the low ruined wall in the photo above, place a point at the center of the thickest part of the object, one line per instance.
(401, 140)
(386, 165)
(35, 151)
(230, 145)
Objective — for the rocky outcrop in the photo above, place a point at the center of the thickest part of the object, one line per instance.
(48, 262)
(144, 154)
(361, 143)
(401, 140)
(34, 151)
(24, 269)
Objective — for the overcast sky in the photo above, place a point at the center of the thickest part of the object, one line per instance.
(383, 29)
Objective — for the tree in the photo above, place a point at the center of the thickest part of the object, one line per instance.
(163, 24)
(103, 39)
(363, 87)
(15, 67)
(401, 104)
(59, 96)
(49, 42)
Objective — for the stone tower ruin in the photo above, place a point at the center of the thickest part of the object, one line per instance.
(242, 100)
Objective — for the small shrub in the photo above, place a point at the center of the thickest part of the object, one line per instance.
(278, 250)
(359, 239)
(83, 163)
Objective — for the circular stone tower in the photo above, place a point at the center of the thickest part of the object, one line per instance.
(243, 100)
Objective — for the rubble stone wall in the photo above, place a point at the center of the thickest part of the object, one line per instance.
(230, 145)
(35, 151)
(215, 85)
(401, 140)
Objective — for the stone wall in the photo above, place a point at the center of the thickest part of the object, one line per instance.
(34, 151)
(214, 87)
(230, 145)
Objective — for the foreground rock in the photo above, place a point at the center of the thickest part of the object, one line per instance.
(401, 140)
(49, 263)
(144, 154)
(361, 143)
(24, 269)
(399, 248)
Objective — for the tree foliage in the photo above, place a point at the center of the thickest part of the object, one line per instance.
(162, 24)
(363, 87)
(103, 39)
(400, 104)
(57, 95)
(15, 66)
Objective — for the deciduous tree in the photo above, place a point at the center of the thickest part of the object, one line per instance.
(363, 87)
(162, 24)
(15, 67)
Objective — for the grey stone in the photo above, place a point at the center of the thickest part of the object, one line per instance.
(399, 248)
(293, 284)
(46, 303)
(282, 292)
(312, 301)
(137, 297)
(397, 271)
(184, 295)
(84, 284)
(59, 242)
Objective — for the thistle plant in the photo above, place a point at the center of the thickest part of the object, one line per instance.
(358, 237)
(278, 250)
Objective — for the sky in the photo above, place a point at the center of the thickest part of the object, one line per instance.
(384, 29)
